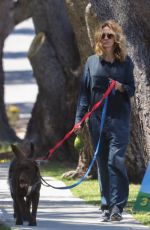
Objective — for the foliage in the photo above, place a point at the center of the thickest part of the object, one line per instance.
(5, 147)
(13, 114)
(5, 152)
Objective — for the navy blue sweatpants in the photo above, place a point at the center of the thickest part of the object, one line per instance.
(112, 175)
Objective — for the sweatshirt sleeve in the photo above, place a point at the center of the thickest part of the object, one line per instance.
(129, 84)
(84, 96)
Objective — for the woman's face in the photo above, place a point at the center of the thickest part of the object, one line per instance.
(107, 38)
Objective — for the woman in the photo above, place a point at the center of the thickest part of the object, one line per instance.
(109, 62)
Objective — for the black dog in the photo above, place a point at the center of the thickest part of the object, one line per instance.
(25, 184)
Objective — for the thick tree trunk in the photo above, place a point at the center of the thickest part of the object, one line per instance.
(6, 25)
(22, 10)
(47, 125)
(84, 22)
(48, 18)
(137, 29)
(55, 59)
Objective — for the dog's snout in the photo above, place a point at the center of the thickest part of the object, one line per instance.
(22, 181)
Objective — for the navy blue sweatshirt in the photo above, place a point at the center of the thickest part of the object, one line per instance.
(95, 81)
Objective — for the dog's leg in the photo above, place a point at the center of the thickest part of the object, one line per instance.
(28, 207)
(24, 210)
(35, 201)
(19, 219)
(14, 206)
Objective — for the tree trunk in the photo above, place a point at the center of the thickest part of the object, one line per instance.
(6, 25)
(84, 22)
(22, 10)
(137, 30)
(55, 58)
(46, 126)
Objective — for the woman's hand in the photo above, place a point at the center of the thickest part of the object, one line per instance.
(119, 86)
(78, 131)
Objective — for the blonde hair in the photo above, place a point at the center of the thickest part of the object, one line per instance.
(119, 37)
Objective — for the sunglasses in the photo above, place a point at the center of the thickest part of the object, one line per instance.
(107, 35)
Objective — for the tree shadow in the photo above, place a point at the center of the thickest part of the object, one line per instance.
(25, 31)
(19, 77)
(12, 55)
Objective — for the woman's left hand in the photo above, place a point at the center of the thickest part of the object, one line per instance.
(119, 86)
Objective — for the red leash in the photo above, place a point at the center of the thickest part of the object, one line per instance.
(87, 115)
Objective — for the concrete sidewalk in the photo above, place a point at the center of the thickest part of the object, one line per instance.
(59, 210)
(20, 85)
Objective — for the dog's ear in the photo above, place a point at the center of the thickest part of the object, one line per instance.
(18, 153)
(31, 155)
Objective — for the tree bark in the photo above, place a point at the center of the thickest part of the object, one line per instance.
(46, 126)
(6, 25)
(48, 18)
(137, 30)
(22, 10)
(54, 62)
(84, 22)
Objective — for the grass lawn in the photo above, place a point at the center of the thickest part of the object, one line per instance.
(89, 189)
(3, 226)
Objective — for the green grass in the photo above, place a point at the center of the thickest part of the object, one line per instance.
(5, 152)
(5, 147)
(89, 189)
(4, 227)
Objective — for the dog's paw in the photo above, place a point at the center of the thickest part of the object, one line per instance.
(32, 223)
(19, 222)
(26, 217)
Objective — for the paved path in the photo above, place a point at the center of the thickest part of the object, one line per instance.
(59, 210)
(20, 85)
